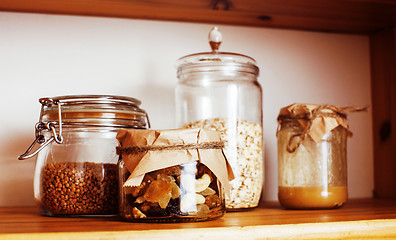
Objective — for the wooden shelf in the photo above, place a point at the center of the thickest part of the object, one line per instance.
(358, 16)
(357, 219)
(371, 218)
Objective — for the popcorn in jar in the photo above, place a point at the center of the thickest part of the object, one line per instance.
(220, 91)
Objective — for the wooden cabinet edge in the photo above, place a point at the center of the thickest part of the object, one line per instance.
(357, 17)
(383, 85)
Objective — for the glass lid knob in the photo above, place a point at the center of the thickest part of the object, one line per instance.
(215, 38)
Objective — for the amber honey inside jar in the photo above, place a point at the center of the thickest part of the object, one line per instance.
(312, 197)
(76, 167)
(312, 174)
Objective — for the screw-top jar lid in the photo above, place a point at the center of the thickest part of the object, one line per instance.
(215, 60)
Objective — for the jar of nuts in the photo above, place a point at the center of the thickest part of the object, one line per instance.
(75, 145)
(220, 91)
(178, 175)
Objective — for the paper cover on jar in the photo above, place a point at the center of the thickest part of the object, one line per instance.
(144, 151)
(317, 120)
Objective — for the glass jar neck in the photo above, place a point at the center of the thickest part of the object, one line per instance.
(218, 71)
(94, 110)
(210, 74)
(98, 118)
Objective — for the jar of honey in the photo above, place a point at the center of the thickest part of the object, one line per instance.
(75, 146)
(312, 156)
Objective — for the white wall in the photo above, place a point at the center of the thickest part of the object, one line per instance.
(47, 55)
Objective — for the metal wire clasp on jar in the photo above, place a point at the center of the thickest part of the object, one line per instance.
(75, 146)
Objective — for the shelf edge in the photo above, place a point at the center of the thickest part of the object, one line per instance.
(374, 229)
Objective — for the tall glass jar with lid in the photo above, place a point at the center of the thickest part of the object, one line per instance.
(75, 145)
(220, 91)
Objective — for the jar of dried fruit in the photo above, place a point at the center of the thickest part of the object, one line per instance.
(312, 156)
(220, 91)
(75, 145)
(178, 175)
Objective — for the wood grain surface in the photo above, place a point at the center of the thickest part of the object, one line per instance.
(357, 16)
(358, 218)
(383, 89)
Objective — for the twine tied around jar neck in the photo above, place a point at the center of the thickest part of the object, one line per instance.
(323, 111)
(142, 149)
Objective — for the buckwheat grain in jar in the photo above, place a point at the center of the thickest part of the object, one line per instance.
(75, 145)
(312, 156)
(220, 91)
(178, 175)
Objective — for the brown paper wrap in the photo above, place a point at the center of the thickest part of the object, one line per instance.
(144, 151)
(316, 120)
